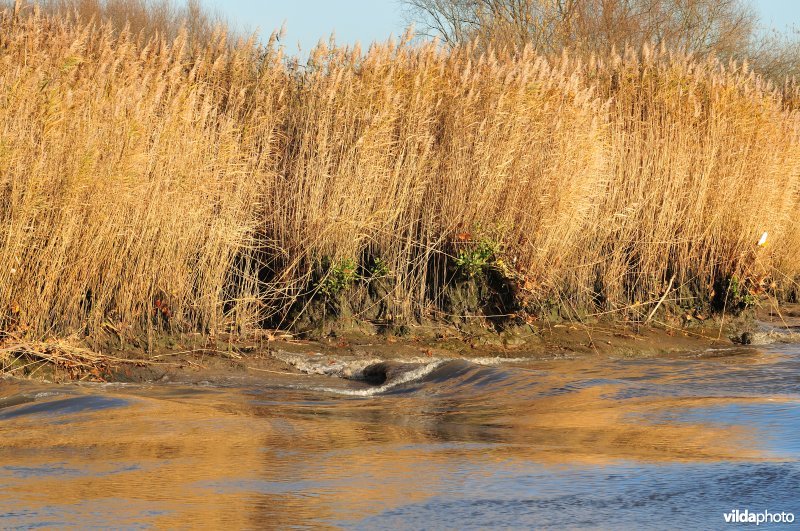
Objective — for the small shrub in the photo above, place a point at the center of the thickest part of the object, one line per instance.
(738, 294)
(373, 267)
(338, 277)
(478, 256)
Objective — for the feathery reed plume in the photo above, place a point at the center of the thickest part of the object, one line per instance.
(195, 185)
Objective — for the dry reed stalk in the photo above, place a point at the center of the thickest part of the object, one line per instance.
(18, 356)
(198, 186)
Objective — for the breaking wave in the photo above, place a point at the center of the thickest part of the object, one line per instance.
(396, 376)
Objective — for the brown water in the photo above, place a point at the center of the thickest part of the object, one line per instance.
(452, 444)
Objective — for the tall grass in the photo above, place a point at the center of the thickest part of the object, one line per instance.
(199, 186)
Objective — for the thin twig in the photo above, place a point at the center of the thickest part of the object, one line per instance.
(661, 300)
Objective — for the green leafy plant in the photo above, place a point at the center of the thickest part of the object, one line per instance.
(476, 257)
(738, 295)
(337, 277)
(378, 269)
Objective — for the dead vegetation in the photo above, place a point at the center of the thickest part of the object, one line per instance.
(188, 185)
(60, 359)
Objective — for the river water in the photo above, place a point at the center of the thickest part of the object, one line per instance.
(609, 444)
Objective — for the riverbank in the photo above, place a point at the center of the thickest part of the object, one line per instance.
(195, 358)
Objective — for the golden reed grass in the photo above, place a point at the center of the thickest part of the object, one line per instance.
(204, 181)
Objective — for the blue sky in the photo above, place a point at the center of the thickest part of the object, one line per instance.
(307, 21)
(369, 20)
(780, 14)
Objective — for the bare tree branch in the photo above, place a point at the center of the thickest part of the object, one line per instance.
(725, 27)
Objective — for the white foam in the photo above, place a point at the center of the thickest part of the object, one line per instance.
(495, 361)
(46, 394)
(327, 365)
(353, 369)
(406, 377)
(774, 335)
(347, 368)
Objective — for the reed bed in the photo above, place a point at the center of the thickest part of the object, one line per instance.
(202, 185)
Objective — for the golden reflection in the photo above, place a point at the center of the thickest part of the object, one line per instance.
(175, 457)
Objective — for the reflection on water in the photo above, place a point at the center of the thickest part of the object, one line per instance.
(599, 443)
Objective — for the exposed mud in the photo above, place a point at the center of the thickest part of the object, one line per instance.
(194, 358)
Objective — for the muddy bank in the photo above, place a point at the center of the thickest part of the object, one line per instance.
(349, 318)
(194, 358)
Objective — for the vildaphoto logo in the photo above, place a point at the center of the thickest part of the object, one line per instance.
(765, 517)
